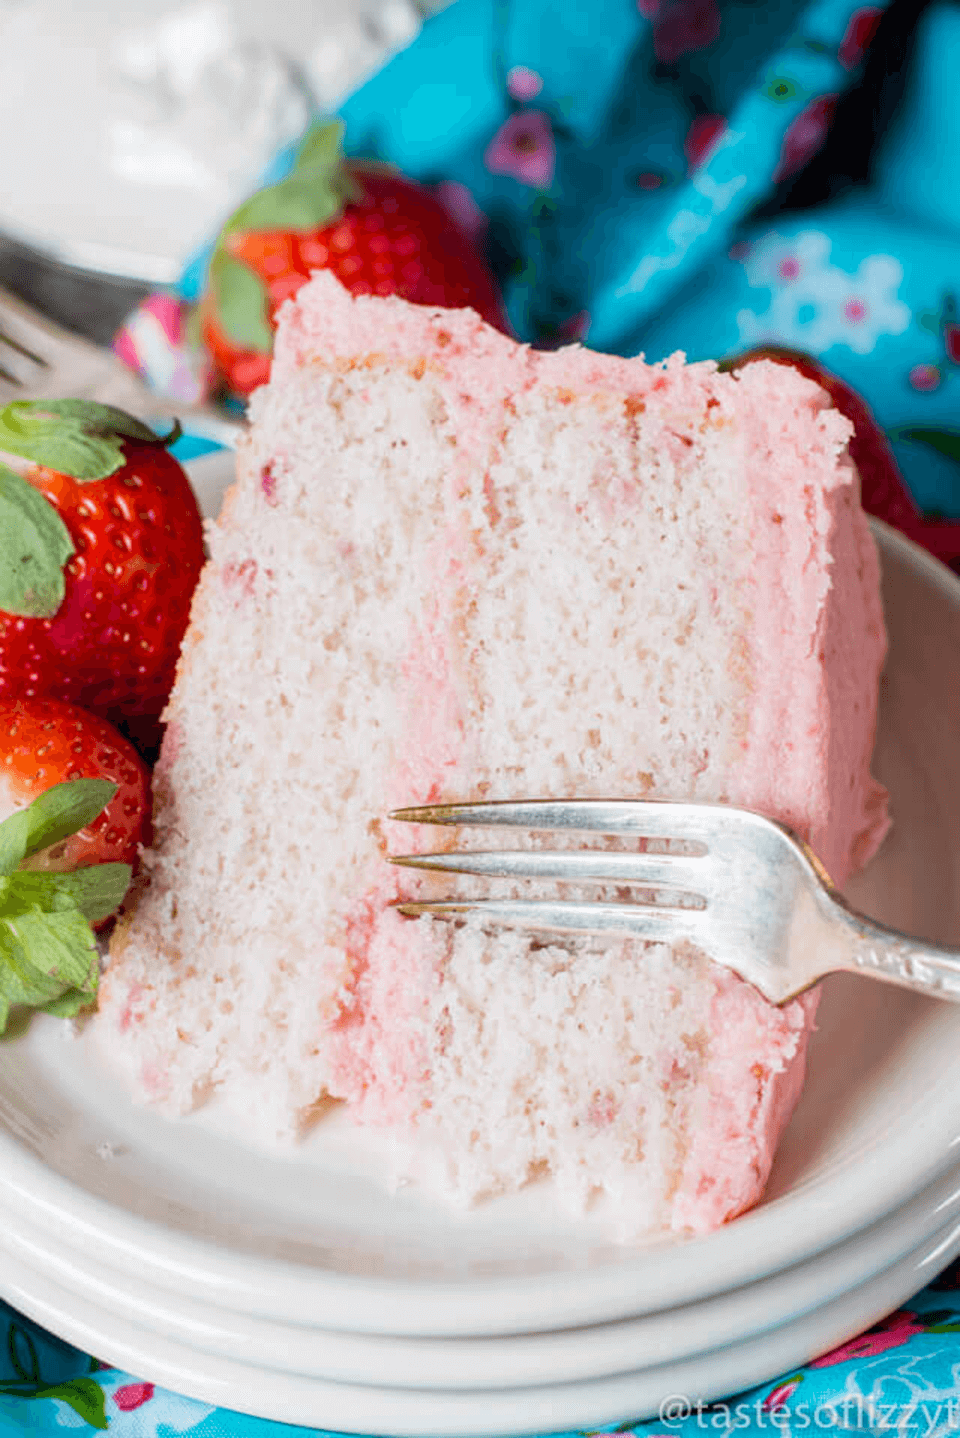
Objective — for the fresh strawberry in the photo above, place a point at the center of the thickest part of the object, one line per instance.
(73, 809)
(883, 492)
(45, 742)
(101, 545)
(378, 233)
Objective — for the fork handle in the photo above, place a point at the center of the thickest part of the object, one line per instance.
(899, 959)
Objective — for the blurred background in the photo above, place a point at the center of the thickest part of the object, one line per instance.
(132, 128)
(640, 175)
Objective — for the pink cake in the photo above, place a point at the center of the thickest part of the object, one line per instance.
(452, 568)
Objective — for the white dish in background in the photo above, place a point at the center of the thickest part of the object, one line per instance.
(162, 115)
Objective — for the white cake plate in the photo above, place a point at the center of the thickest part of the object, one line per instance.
(560, 1357)
(294, 1398)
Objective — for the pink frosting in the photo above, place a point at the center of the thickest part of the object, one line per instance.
(381, 1058)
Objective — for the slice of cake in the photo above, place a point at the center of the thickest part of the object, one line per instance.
(454, 568)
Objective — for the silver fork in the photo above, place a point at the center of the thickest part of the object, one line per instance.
(751, 894)
(7, 341)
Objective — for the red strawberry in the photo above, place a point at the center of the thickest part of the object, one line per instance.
(73, 808)
(101, 545)
(45, 742)
(377, 232)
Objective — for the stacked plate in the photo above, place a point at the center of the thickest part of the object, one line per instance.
(294, 1285)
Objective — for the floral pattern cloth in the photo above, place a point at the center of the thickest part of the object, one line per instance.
(635, 170)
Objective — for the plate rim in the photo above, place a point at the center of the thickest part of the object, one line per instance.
(471, 1414)
(872, 1251)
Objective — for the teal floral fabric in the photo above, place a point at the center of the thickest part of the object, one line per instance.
(610, 150)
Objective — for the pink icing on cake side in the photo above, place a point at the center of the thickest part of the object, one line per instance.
(796, 523)
(743, 1114)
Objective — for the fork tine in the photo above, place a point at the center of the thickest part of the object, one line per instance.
(647, 818)
(638, 920)
(21, 349)
(10, 378)
(592, 865)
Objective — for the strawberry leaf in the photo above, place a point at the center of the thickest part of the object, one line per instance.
(68, 1005)
(58, 812)
(305, 200)
(35, 544)
(48, 957)
(62, 810)
(47, 949)
(98, 890)
(14, 837)
(321, 147)
(78, 437)
(312, 195)
(193, 328)
(97, 418)
(241, 302)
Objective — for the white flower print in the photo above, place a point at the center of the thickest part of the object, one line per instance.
(815, 304)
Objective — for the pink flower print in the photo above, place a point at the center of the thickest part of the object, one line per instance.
(463, 209)
(524, 148)
(132, 1395)
(778, 1397)
(680, 26)
(156, 343)
(925, 378)
(859, 33)
(789, 268)
(649, 180)
(891, 1332)
(855, 311)
(523, 83)
(702, 136)
(805, 136)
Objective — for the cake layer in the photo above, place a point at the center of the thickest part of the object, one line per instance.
(451, 568)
